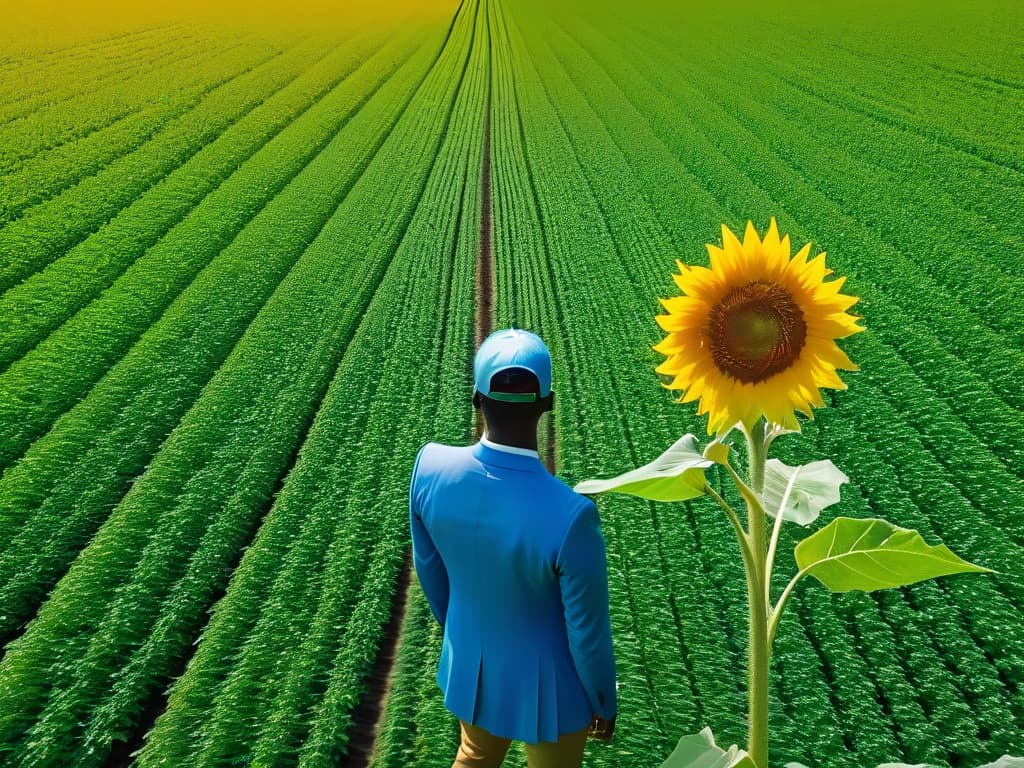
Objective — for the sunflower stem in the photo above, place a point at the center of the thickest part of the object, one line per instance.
(757, 447)
(759, 648)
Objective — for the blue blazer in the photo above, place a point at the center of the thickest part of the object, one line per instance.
(512, 562)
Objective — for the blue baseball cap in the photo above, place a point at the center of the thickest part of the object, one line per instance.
(512, 348)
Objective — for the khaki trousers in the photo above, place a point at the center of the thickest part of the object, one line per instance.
(481, 749)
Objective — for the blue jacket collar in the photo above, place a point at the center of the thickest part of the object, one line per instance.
(509, 460)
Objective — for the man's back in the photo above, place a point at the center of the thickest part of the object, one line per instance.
(513, 564)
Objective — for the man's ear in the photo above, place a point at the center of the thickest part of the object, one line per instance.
(476, 399)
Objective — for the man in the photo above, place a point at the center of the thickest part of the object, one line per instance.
(513, 564)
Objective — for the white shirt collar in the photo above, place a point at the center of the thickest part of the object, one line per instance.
(509, 448)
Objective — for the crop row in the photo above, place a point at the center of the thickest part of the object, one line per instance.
(139, 591)
(962, 389)
(85, 310)
(610, 248)
(898, 203)
(545, 200)
(712, 153)
(997, 695)
(950, 88)
(29, 85)
(282, 663)
(827, 678)
(416, 729)
(888, 299)
(25, 95)
(962, 178)
(48, 230)
(958, 387)
(193, 336)
(54, 127)
(53, 170)
(30, 72)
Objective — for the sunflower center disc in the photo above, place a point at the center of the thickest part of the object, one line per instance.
(756, 330)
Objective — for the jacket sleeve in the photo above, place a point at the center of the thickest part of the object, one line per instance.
(583, 578)
(427, 560)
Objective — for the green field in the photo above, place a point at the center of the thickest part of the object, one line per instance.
(241, 274)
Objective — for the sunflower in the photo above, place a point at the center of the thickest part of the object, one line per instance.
(754, 334)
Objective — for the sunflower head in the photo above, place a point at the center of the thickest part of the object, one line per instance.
(754, 334)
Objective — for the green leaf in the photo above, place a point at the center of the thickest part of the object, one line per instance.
(676, 475)
(1006, 761)
(698, 750)
(874, 554)
(815, 486)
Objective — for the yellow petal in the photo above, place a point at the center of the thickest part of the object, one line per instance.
(696, 372)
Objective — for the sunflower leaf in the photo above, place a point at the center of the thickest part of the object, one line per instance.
(873, 554)
(1006, 761)
(698, 750)
(676, 475)
(814, 487)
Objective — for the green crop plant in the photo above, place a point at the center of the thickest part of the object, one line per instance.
(48, 230)
(48, 513)
(146, 107)
(202, 205)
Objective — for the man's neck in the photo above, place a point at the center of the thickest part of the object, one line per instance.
(526, 440)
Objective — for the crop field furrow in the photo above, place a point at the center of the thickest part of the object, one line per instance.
(288, 688)
(57, 88)
(986, 353)
(239, 174)
(415, 716)
(937, 234)
(1012, 512)
(140, 585)
(47, 174)
(942, 381)
(49, 129)
(165, 370)
(34, 73)
(964, 181)
(48, 230)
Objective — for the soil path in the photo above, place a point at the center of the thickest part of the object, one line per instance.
(368, 715)
(370, 712)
